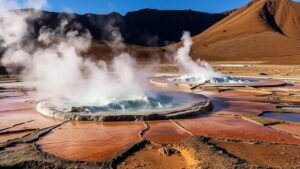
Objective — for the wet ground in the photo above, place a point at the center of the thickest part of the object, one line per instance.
(236, 134)
(283, 116)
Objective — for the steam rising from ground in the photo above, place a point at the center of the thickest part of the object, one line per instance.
(60, 69)
(13, 25)
(197, 71)
(56, 62)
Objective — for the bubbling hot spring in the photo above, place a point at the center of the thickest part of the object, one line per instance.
(150, 102)
(201, 73)
(199, 79)
(152, 106)
(190, 82)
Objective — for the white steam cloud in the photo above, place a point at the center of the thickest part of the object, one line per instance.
(201, 71)
(60, 69)
(6, 5)
(56, 61)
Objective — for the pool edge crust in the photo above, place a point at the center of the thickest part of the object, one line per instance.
(163, 82)
(48, 110)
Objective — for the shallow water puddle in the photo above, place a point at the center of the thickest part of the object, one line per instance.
(283, 116)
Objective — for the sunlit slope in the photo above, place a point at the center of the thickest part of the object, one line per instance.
(263, 30)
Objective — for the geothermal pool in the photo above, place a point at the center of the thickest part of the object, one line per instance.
(187, 81)
(151, 102)
(198, 79)
(163, 104)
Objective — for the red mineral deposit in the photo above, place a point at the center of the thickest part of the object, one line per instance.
(233, 128)
(91, 141)
(165, 131)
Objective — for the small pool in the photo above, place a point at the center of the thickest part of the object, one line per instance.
(283, 116)
(198, 79)
(156, 105)
(153, 102)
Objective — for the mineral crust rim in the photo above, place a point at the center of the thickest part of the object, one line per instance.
(202, 106)
(163, 81)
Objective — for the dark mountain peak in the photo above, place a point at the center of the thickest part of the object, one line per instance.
(152, 27)
(173, 12)
(114, 14)
(146, 27)
(145, 10)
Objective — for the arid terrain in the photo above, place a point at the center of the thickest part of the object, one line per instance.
(243, 126)
(264, 31)
(234, 134)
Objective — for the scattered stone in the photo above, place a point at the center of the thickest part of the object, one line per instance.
(283, 153)
(167, 151)
(254, 142)
(150, 147)
(79, 109)
(231, 140)
(263, 74)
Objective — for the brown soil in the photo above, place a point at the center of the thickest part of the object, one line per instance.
(11, 136)
(91, 141)
(31, 157)
(165, 132)
(150, 157)
(261, 70)
(278, 156)
(223, 127)
(291, 129)
(192, 153)
(246, 69)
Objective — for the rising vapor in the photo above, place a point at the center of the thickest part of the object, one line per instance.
(198, 70)
(60, 69)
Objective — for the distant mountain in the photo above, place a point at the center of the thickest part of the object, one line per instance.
(147, 27)
(263, 30)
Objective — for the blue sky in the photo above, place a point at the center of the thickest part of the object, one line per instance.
(123, 6)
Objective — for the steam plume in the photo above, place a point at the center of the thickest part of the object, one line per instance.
(200, 69)
(60, 69)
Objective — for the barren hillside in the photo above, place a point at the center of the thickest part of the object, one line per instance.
(263, 30)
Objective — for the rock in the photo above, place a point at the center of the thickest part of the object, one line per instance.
(76, 109)
(167, 151)
(283, 153)
(263, 74)
(79, 109)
